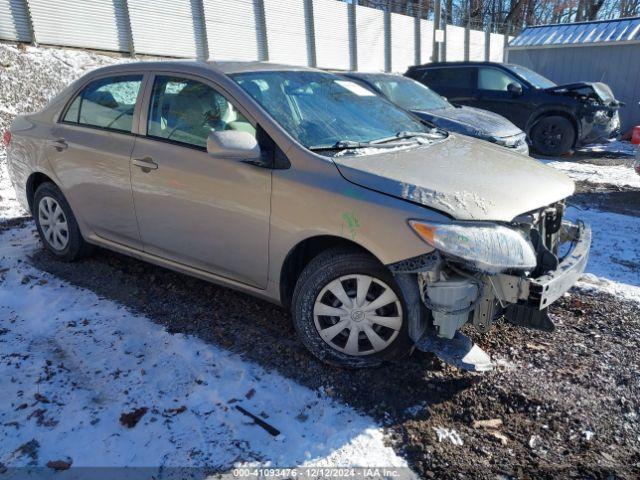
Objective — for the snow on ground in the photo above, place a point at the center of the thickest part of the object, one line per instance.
(617, 147)
(614, 259)
(72, 363)
(619, 175)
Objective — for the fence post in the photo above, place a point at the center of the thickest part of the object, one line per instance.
(467, 40)
(32, 31)
(310, 32)
(417, 36)
(124, 8)
(200, 29)
(435, 56)
(387, 40)
(487, 42)
(353, 36)
(261, 30)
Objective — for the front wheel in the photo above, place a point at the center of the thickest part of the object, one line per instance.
(348, 310)
(553, 135)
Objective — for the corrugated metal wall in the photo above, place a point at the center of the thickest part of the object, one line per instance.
(100, 24)
(299, 32)
(370, 38)
(616, 65)
(496, 47)
(166, 27)
(426, 41)
(402, 42)
(14, 20)
(455, 43)
(231, 29)
(286, 29)
(331, 26)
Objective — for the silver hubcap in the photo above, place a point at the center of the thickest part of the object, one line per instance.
(358, 314)
(53, 223)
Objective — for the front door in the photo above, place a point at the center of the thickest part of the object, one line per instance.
(208, 213)
(493, 95)
(90, 149)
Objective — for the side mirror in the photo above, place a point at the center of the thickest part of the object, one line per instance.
(514, 88)
(234, 145)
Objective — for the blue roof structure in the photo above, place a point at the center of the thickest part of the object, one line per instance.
(604, 31)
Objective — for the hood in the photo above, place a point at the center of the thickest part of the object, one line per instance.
(599, 90)
(463, 177)
(471, 121)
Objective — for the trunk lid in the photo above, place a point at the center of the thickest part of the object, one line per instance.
(465, 178)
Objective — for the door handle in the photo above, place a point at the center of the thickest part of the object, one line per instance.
(59, 144)
(146, 164)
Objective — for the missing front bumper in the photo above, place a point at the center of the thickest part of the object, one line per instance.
(530, 297)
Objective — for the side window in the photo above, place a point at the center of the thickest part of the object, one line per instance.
(494, 79)
(454, 77)
(187, 111)
(106, 103)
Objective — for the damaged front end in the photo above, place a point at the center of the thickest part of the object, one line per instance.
(480, 271)
(599, 116)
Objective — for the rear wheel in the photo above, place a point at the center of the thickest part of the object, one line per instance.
(348, 310)
(553, 135)
(57, 225)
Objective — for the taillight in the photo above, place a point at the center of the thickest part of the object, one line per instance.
(6, 138)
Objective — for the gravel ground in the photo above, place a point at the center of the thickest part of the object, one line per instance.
(558, 405)
(561, 404)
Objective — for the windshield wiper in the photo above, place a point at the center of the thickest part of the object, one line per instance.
(352, 145)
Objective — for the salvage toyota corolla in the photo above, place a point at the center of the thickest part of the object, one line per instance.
(303, 188)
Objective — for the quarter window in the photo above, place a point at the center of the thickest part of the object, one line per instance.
(186, 111)
(106, 103)
(494, 79)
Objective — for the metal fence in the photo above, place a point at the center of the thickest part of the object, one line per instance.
(323, 33)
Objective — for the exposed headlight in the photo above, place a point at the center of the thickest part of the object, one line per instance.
(489, 248)
(601, 117)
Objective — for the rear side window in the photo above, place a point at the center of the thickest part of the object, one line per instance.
(454, 77)
(106, 103)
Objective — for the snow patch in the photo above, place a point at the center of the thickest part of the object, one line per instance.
(619, 175)
(72, 363)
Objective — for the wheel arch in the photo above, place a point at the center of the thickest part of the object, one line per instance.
(302, 253)
(555, 112)
(33, 182)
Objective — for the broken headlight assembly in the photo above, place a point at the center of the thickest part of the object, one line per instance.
(488, 248)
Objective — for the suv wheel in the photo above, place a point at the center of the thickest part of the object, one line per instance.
(57, 225)
(348, 310)
(553, 135)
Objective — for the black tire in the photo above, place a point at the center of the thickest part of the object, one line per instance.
(318, 274)
(76, 247)
(553, 136)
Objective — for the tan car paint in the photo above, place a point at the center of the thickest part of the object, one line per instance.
(310, 199)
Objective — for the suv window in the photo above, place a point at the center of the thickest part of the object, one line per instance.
(494, 79)
(186, 111)
(452, 77)
(106, 103)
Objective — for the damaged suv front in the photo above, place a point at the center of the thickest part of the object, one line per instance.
(597, 113)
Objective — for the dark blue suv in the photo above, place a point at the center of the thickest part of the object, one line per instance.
(556, 118)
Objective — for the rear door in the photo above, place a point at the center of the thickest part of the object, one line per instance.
(90, 148)
(457, 83)
(493, 95)
(208, 213)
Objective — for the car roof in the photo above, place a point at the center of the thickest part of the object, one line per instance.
(460, 64)
(365, 75)
(201, 66)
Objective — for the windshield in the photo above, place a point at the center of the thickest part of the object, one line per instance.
(534, 78)
(407, 93)
(321, 109)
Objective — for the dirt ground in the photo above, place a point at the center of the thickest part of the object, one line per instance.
(564, 404)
